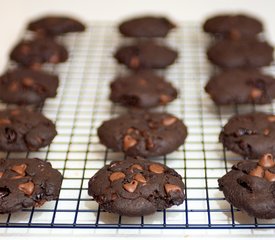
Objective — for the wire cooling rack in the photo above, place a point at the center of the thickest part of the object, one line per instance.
(81, 106)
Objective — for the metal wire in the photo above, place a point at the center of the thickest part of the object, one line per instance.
(81, 106)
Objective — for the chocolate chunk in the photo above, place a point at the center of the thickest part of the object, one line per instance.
(116, 176)
(156, 168)
(27, 188)
(140, 193)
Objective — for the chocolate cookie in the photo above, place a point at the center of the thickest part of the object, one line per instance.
(143, 134)
(146, 54)
(27, 183)
(240, 53)
(146, 26)
(233, 26)
(27, 86)
(136, 187)
(143, 89)
(250, 186)
(251, 135)
(33, 53)
(22, 130)
(241, 86)
(55, 25)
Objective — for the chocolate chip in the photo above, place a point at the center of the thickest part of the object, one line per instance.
(257, 172)
(28, 82)
(164, 99)
(168, 121)
(5, 121)
(271, 118)
(266, 132)
(269, 176)
(134, 63)
(10, 135)
(136, 166)
(27, 188)
(171, 188)
(256, 93)
(20, 169)
(131, 187)
(116, 176)
(140, 178)
(156, 168)
(266, 160)
(129, 142)
(4, 191)
(1, 174)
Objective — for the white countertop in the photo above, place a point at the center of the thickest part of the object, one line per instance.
(16, 13)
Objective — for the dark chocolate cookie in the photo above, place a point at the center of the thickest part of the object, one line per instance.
(251, 135)
(240, 87)
(240, 53)
(27, 183)
(136, 187)
(143, 134)
(55, 25)
(233, 26)
(250, 186)
(33, 53)
(146, 26)
(22, 130)
(146, 54)
(27, 86)
(143, 89)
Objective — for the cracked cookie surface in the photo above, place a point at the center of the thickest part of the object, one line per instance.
(27, 183)
(136, 187)
(250, 186)
(146, 54)
(250, 135)
(143, 89)
(27, 86)
(241, 87)
(143, 134)
(23, 130)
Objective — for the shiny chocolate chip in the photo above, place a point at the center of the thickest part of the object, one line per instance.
(116, 176)
(156, 168)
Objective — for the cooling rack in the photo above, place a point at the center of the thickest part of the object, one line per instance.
(82, 104)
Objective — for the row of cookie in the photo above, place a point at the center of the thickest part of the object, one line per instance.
(249, 185)
(31, 182)
(136, 186)
(238, 50)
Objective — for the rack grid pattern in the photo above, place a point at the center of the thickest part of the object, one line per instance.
(81, 106)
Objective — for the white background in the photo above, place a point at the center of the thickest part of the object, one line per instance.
(16, 13)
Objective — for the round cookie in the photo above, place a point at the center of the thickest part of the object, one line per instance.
(27, 183)
(55, 25)
(136, 187)
(27, 86)
(247, 53)
(33, 53)
(143, 134)
(143, 89)
(22, 130)
(233, 26)
(147, 54)
(146, 26)
(250, 187)
(238, 86)
(250, 135)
